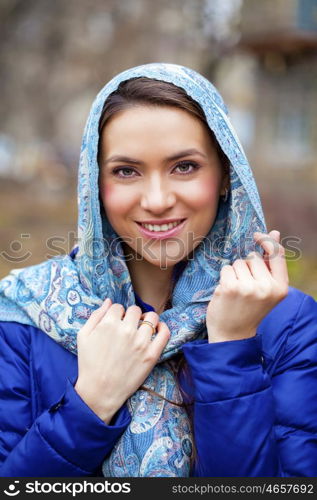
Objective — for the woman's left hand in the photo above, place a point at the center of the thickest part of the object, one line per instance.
(247, 291)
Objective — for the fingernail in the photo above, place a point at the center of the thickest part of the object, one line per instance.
(107, 301)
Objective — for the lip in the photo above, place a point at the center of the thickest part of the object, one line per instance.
(161, 235)
(159, 221)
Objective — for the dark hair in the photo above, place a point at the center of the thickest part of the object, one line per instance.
(147, 91)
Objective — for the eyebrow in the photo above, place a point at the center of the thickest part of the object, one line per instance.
(177, 156)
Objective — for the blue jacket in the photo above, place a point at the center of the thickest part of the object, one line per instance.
(255, 402)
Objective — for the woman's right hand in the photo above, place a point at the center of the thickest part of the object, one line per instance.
(115, 355)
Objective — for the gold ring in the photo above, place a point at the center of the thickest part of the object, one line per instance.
(148, 323)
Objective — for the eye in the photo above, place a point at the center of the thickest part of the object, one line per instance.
(186, 167)
(124, 172)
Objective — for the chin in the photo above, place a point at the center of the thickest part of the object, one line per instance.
(160, 262)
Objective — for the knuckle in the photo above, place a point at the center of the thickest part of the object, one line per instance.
(135, 308)
(226, 267)
(253, 255)
(224, 271)
(237, 262)
(246, 290)
(281, 250)
(264, 291)
(250, 256)
(161, 325)
(127, 329)
(230, 289)
(107, 323)
(164, 328)
(116, 305)
(151, 316)
(282, 292)
(150, 358)
(95, 313)
(140, 344)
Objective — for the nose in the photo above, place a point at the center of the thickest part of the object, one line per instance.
(157, 196)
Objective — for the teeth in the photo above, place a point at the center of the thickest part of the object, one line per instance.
(163, 227)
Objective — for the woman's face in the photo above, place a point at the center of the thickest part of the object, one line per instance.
(160, 181)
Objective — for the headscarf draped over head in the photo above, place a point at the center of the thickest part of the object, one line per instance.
(58, 295)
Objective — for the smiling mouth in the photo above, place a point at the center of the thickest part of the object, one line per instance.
(160, 228)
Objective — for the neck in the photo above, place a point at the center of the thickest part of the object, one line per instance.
(150, 282)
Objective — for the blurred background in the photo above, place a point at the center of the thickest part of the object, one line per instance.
(55, 57)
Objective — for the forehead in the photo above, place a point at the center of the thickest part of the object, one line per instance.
(162, 126)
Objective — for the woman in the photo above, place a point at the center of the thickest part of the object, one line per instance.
(194, 357)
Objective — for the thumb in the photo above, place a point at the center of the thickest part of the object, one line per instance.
(276, 235)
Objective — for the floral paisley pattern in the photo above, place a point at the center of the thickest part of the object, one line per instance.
(59, 295)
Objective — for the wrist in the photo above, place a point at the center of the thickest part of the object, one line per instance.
(229, 336)
(105, 411)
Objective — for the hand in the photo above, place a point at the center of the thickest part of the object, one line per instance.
(115, 356)
(247, 291)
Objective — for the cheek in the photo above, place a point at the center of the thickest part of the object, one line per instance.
(115, 200)
(204, 194)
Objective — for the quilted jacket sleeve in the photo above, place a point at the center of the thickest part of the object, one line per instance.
(294, 385)
(67, 440)
(251, 423)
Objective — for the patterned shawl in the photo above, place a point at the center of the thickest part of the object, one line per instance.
(58, 295)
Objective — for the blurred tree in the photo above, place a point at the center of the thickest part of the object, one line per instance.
(56, 55)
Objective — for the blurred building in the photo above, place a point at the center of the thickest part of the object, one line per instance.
(270, 83)
(55, 57)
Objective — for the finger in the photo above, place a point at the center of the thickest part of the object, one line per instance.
(152, 317)
(242, 270)
(115, 312)
(132, 316)
(257, 267)
(160, 340)
(275, 255)
(96, 316)
(217, 291)
(276, 235)
(227, 274)
(272, 241)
